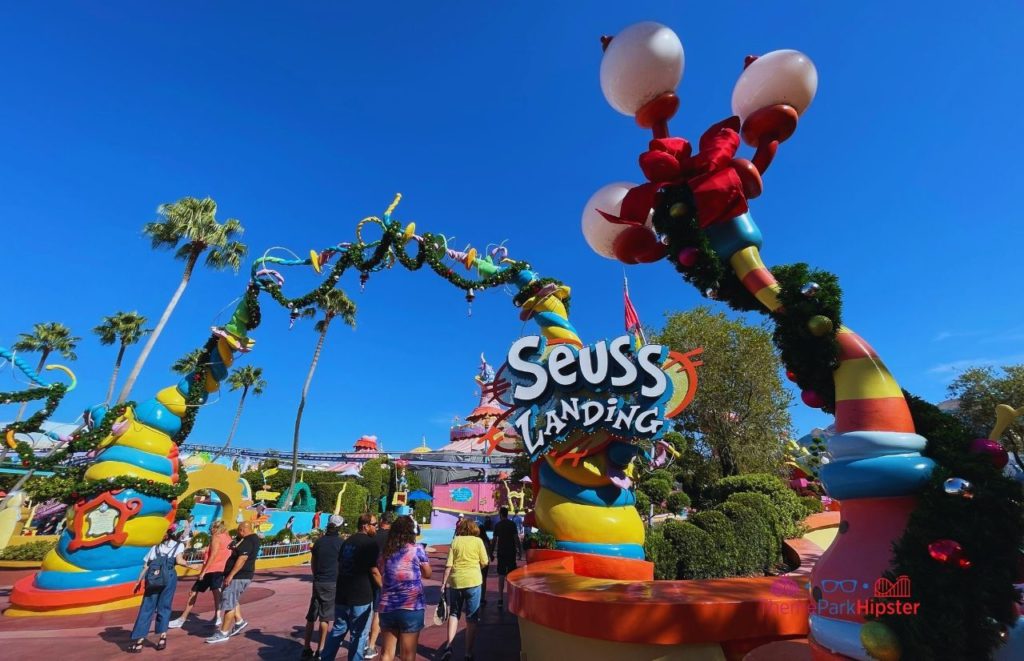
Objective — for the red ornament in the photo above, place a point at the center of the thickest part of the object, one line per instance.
(812, 399)
(791, 375)
(688, 257)
(74, 495)
(996, 454)
(948, 552)
(25, 462)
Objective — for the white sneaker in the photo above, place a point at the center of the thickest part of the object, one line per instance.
(219, 637)
(371, 653)
(176, 624)
(237, 629)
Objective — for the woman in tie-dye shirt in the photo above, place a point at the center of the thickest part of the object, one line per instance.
(403, 566)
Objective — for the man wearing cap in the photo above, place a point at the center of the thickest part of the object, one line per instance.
(324, 565)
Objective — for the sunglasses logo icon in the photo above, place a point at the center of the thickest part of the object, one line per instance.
(849, 586)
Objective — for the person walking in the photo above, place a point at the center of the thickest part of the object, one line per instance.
(241, 567)
(353, 602)
(324, 564)
(488, 547)
(466, 556)
(211, 575)
(507, 548)
(403, 566)
(381, 537)
(158, 581)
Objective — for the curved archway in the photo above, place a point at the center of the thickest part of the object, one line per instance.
(223, 481)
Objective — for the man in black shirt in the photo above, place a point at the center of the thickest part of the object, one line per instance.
(324, 564)
(240, 568)
(507, 547)
(381, 537)
(358, 577)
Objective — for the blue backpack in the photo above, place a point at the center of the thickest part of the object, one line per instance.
(159, 570)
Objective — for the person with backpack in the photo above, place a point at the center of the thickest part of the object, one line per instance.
(158, 581)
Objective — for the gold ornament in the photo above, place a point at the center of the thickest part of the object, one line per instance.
(678, 210)
(880, 641)
(819, 325)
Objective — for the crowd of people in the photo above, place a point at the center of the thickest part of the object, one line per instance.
(367, 588)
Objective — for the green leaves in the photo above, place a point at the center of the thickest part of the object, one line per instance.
(193, 224)
(49, 337)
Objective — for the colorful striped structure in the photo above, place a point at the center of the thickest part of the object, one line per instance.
(97, 561)
(876, 468)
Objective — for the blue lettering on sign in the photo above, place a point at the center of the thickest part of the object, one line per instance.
(462, 494)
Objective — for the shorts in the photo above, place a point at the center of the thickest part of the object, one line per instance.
(465, 600)
(321, 604)
(212, 580)
(506, 566)
(233, 593)
(402, 621)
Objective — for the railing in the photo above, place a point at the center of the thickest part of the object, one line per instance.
(195, 556)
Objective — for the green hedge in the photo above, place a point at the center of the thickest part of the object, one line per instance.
(353, 503)
(643, 504)
(723, 558)
(678, 501)
(694, 549)
(811, 505)
(657, 488)
(756, 541)
(31, 551)
(784, 499)
(662, 553)
(766, 512)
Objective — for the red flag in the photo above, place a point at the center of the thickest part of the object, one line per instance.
(632, 319)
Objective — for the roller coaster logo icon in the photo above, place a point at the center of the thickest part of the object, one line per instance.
(898, 589)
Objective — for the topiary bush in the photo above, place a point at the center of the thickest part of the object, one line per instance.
(811, 505)
(27, 552)
(663, 553)
(656, 488)
(540, 540)
(678, 501)
(766, 512)
(694, 549)
(755, 539)
(724, 556)
(643, 504)
(353, 503)
(790, 509)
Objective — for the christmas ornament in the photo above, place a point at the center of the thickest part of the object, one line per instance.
(948, 552)
(819, 325)
(958, 486)
(678, 210)
(810, 290)
(812, 399)
(688, 257)
(880, 641)
(663, 239)
(996, 454)
(711, 293)
(791, 375)
(363, 277)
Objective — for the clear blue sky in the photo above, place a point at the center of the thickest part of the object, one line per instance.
(302, 118)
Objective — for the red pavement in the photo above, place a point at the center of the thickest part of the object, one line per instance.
(275, 607)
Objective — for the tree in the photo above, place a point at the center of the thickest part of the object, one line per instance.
(125, 329)
(44, 339)
(979, 390)
(192, 223)
(740, 415)
(188, 363)
(333, 304)
(246, 378)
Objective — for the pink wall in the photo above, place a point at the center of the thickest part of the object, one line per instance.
(468, 497)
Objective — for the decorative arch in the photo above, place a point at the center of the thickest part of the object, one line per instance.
(223, 481)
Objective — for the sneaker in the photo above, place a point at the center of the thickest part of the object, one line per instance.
(371, 653)
(237, 629)
(176, 624)
(219, 637)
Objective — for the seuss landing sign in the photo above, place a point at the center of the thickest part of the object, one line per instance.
(609, 386)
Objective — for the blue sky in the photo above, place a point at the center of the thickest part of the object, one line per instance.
(302, 118)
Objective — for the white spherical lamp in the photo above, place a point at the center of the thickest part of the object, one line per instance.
(642, 62)
(780, 77)
(599, 233)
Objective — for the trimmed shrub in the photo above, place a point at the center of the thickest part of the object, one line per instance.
(201, 538)
(643, 504)
(540, 540)
(766, 512)
(27, 552)
(678, 501)
(812, 505)
(785, 500)
(657, 488)
(724, 553)
(694, 549)
(662, 553)
(353, 503)
(755, 539)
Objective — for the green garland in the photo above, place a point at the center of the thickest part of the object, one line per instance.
(810, 359)
(964, 613)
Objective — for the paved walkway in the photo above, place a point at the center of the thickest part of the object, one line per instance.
(275, 606)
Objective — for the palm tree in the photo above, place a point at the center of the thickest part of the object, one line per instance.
(245, 378)
(124, 328)
(45, 339)
(333, 304)
(188, 363)
(192, 223)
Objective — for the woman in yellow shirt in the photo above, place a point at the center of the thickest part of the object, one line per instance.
(466, 556)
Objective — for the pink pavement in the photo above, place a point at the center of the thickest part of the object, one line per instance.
(275, 607)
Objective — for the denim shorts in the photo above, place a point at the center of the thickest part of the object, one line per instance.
(402, 621)
(465, 600)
